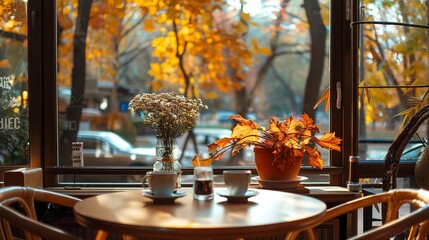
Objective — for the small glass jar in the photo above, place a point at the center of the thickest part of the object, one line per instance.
(203, 183)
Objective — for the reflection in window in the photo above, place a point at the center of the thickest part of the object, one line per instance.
(14, 136)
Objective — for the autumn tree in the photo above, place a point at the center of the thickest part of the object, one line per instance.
(90, 35)
(395, 58)
(191, 49)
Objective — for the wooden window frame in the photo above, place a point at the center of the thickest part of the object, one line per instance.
(43, 104)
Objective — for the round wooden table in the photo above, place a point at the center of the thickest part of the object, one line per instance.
(270, 213)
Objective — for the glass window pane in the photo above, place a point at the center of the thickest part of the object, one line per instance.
(14, 136)
(255, 58)
(394, 73)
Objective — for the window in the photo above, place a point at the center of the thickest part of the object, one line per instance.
(259, 59)
(14, 127)
(393, 72)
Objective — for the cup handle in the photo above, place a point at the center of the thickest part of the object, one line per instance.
(145, 182)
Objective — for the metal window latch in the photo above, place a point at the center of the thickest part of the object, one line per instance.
(338, 103)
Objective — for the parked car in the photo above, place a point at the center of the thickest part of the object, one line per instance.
(104, 148)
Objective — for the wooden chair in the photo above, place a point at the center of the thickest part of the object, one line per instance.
(417, 221)
(396, 149)
(17, 210)
(11, 218)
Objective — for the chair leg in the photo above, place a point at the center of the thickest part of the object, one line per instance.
(310, 234)
(101, 235)
(367, 218)
(126, 237)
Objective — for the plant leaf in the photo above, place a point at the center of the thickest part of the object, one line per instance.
(197, 161)
(329, 141)
(314, 158)
(324, 98)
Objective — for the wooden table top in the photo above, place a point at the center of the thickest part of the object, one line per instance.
(130, 213)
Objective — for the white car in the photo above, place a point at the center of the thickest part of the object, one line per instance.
(104, 148)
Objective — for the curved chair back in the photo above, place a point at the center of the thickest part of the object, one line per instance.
(25, 198)
(417, 221)
(393, 156)
(32, 228)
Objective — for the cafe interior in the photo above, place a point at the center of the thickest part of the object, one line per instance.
(154, 119)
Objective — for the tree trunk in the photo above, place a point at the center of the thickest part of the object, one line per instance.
(318, 46)
(74, 110)
(244, 98)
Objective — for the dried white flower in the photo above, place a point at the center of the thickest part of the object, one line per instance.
(170, 115)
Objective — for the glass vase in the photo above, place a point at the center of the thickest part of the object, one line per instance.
(167, 154)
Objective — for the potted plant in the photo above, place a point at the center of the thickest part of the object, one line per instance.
(282, 147)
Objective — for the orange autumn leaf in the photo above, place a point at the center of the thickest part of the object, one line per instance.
(314, 158)
(245, 130)
(221, 143)
(329, 141)
(309, 123)
(240, 120)
(291, 125)
(197, 161)
(324, 98)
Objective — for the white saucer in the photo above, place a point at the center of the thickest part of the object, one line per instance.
(163, 199)
(285, 184)
(235, 198)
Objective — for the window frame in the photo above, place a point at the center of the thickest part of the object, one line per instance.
(43, 97)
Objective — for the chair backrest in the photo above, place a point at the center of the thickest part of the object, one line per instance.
(393, 156)
(417, 221)
(24, 199)
(10, 218)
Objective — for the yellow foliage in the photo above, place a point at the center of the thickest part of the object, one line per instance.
(401, 48)
(157, 85)
(260, 50)
(246, 17)
(241, 28)
(4, 63)
(64, 21)
(239, 75)
(211, 95)
(148, 25)
(156, 71)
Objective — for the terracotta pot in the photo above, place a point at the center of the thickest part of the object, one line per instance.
(267, 171)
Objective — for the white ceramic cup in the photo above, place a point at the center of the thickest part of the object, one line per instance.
(160, 183)
(237, 181)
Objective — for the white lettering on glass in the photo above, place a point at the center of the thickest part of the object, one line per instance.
(10, 123)
(6, 82)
